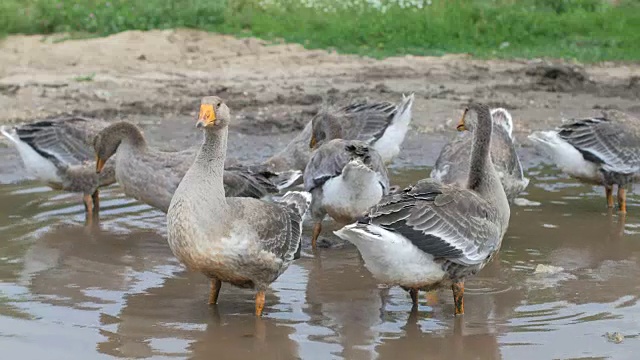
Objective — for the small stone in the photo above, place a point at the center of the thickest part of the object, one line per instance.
(547, 269)
(614, 337)
(525, 202)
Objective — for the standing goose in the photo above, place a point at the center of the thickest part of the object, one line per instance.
(382, 125)
(344, 177)
(432, 234)
(452, 165)
(59, 153)
(242, 241)
(601, 150)
(152, 176)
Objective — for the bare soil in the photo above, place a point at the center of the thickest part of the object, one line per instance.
(157, 78)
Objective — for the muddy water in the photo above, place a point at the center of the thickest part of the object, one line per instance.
(71, 293)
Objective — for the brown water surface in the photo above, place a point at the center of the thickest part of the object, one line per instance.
(67, 292)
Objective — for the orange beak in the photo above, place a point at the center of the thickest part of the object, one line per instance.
(207, 116)
(313, 142)
(461, 126)
(99, 164)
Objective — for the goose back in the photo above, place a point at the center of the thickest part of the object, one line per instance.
(329, 160)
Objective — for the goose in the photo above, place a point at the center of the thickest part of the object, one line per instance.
(152, 176)
(382, 125)
(245, 242)
(599, 150)
(452, 165)
(345, 179)
(433, 234)
(58, 152)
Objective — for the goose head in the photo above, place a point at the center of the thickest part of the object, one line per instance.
(470, 117)
(325, 127)
(107, 141)
(214, 114)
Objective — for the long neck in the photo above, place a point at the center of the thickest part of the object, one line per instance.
(131, 146)
(333, 129)
(480, 152)
(135, 138)
(210, 159)
(131, 138)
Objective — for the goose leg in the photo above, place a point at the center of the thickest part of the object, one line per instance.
(458, 297)
(96, 202)
(259, 302)
(88, 204)
(317, 228)
(622, 199)
(609, 192)
(215, 291)
(88, 208)
(432, 298)
(414, 296)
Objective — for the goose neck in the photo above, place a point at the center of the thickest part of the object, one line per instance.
(211, 157)
(132, 136)
(481, 163)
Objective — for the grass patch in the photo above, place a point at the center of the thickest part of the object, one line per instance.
(85, 78)
(584, 30)
(8, 309)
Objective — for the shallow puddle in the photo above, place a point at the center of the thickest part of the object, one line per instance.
(568, 273)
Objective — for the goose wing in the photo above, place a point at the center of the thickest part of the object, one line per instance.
(326, 162)
(367, 121)
(452, 165)
(277, 225)
(444, 221)
(240, 182)
(268, 178)
(604, 142)
(65, 141)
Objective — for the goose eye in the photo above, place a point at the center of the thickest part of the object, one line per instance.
(217, 105)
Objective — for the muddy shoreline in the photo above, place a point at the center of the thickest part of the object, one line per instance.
(157, 78)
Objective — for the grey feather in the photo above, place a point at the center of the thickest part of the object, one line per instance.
(444, 221)
(611, 144)
(67, 142)
(365, 121)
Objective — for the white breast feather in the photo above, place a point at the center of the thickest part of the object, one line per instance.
(439, 173)
(565, 156)
(353, 192)
(391, 258)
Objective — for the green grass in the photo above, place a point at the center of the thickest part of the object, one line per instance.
(85, 78)
(584, 30)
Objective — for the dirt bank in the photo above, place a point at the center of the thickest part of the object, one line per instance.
(157, 78)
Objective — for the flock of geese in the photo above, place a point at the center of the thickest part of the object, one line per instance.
(229, 221)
